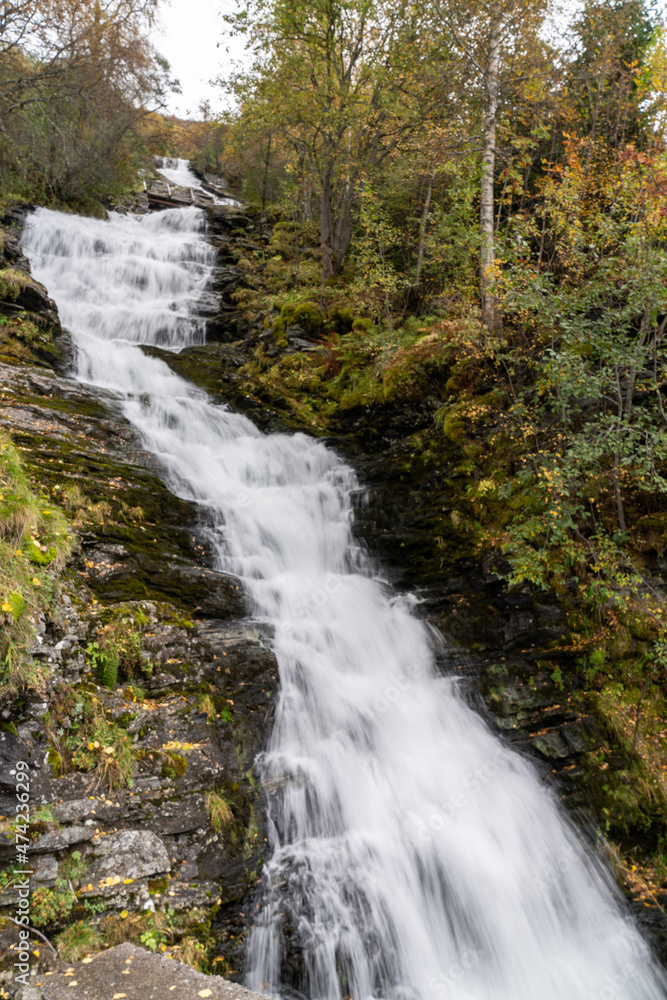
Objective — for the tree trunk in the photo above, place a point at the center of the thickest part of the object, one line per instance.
(343, 228)
(490, 312)
(422, 228)
(267, 164)
(327, 223)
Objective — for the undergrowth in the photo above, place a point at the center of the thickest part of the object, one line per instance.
(35, 542)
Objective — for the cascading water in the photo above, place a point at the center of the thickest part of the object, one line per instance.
(413, 856)
(177, 171)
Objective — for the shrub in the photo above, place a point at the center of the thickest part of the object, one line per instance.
(50, 906)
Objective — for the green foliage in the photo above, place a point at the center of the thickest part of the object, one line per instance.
(104, 663)
(34, 545)
(74, 88)
(116, 652)
(92, 742)
(219, 811)
(153, 938)
(78, 940)
(50, 907)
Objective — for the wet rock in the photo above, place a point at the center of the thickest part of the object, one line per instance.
(129, 854)
(139, 975)
(552, 746)
(61, 840)
(179, 817)
(140, 546)
(45, 870)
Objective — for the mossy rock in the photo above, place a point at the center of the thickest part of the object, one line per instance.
(650, 533)
(287, 313)
(620, 644)
(279, 334)
(341, 320)
(453, 427)
(361, 325)
(308, 316)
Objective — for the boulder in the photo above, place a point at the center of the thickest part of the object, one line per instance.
(128, 854)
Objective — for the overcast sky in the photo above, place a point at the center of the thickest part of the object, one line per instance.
(195, 40)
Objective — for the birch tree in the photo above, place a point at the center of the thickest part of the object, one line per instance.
(485, 35)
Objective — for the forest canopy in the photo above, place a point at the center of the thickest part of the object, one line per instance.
(77, 77)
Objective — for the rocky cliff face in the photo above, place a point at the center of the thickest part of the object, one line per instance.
(146, 820)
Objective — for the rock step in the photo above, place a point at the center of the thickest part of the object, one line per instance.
(128, 972)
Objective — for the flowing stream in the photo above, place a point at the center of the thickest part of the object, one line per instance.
(177, 171)
(412, 855)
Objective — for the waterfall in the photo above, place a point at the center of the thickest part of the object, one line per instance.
(412, 854)
(177, 171)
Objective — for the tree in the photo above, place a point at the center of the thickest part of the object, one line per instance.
(76, 77)
(611, 38)
(337, 80)
(485, 35)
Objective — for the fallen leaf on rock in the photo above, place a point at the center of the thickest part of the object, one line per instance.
(205, 993)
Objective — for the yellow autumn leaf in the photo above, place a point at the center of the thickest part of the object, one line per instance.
(124, 914)
(205, 993)
(36, 582)
(6, 607)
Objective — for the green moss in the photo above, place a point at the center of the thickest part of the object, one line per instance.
(279, 328)
(308, 315)
(56, 762)
(453, 427)
(287, 313)
(361, 325)
(174, 765)
(342, 320)
(157, 886)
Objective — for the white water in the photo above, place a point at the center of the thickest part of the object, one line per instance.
(177, 172)
(412, 856)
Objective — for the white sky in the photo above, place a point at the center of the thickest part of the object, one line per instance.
(196, 41)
